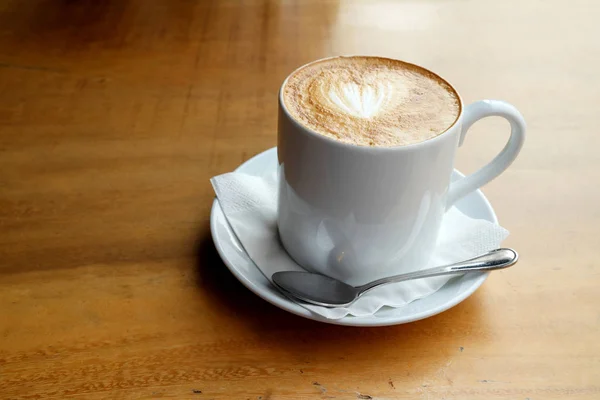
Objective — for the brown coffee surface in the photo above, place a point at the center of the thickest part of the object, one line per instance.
(371, 101)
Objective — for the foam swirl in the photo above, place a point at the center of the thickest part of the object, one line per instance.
(361, 101)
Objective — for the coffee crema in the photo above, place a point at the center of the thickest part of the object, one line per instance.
(371, 101)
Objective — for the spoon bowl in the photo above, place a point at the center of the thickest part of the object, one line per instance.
(315, 288)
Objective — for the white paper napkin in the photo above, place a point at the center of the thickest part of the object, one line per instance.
(250, 206)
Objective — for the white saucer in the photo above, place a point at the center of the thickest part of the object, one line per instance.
(474, 205)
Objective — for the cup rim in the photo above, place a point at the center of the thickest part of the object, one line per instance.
(356, 147)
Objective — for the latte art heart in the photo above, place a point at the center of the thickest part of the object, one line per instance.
(359, 101)
(370, 101)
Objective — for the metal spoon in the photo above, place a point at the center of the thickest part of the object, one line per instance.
(329, 292)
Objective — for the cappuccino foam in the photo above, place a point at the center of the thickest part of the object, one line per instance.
(371, 101)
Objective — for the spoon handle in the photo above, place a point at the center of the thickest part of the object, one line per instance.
(495, 259)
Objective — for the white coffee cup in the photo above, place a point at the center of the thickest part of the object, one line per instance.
(360, 213)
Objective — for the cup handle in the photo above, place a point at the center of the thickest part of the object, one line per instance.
(473, 113)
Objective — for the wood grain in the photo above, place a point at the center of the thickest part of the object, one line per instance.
(114, 115)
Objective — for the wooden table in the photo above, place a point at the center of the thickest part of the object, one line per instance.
(115, 114)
